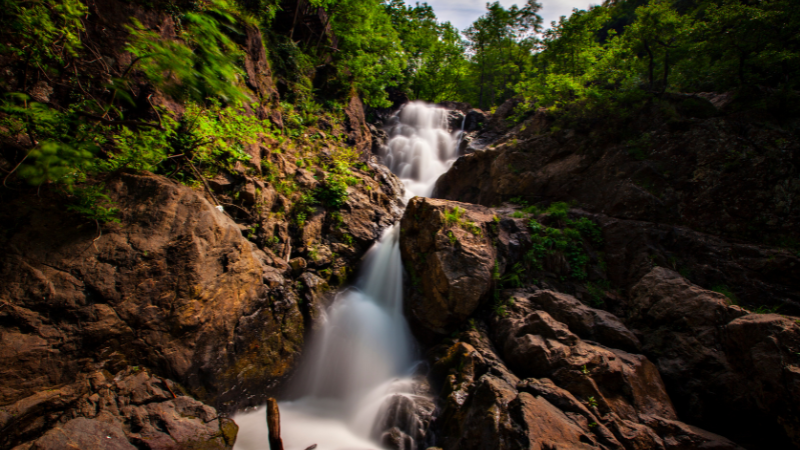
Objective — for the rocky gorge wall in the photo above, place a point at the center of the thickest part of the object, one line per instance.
(148, 332)
(174, 292)
(595, 325)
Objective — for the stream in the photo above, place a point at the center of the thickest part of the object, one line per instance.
(364, 353)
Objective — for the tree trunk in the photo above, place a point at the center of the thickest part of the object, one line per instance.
(652, 63)
(294, 21)
(274, 424)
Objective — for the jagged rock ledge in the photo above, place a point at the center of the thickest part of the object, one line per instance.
(532, 363)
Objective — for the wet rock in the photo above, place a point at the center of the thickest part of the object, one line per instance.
(450, 264)
(81, 433)
(614, 401)
(298, 265)
(536, 345)
(455, 119)
(474, 120)
(41, 92)
(405, 419)
(317, 295)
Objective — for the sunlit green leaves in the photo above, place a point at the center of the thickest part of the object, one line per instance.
(202, 64)
(370, 49)
(42, 30)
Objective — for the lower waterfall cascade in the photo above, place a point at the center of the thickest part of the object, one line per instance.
(363, 354)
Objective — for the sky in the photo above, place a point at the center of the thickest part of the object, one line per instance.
(462, 13)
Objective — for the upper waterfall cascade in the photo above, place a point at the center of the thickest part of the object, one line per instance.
(364, 352)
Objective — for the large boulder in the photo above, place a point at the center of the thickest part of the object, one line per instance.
(359, 134)
(449, 255)
(174, 287)
(133, 410)
(719, 362)
(588, 323)
(615, 401)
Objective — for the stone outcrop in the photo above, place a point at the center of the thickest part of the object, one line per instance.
(450, 261)
(484, 405)
(661, 352)
(720, 362)
(722, 175)
(132, 410)
(405, 419)
(359, 133)
(175, 287)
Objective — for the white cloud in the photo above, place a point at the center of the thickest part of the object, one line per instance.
(462, 13)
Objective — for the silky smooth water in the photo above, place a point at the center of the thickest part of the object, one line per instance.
(364, 352)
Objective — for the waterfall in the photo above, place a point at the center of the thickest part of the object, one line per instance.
(364, 352)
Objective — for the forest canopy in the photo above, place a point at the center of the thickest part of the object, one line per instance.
(321, 52)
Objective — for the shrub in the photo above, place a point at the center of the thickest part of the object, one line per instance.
(333, 193)
(93, 203)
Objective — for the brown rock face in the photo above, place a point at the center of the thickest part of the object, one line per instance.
(130, 411)
(675, 170)
(450, 263)
(718, 361)
(175, 287)
(591, 379)
(619, 404)
(359, 133)
(586, 322)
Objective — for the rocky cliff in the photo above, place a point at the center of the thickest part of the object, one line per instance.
(194, 295)
(582, 288)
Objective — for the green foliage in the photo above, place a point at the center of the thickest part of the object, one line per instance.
(727, 292)
(513, 278)
(66, 145)
(251, 232)
(434, 52)
(500, 43)
(452, 238)
(588, 230)
(453, 217)
(68, 140)
(763, 309)
(597, 293)
(558, 210)
(202, 64)
(591, 402)
(611, 57)
(370, 50)
(569, 240)
(93, 203)
(500, 308)
(303, 207)
(43, 31)
(333, 192)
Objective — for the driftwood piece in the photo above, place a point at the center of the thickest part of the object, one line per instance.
(274, 424)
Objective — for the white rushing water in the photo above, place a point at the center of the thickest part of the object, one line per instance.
(364, 352)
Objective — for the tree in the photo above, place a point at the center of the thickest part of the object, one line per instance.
(500, 42)
(434, 52)
(658, 30)
(369, 50)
